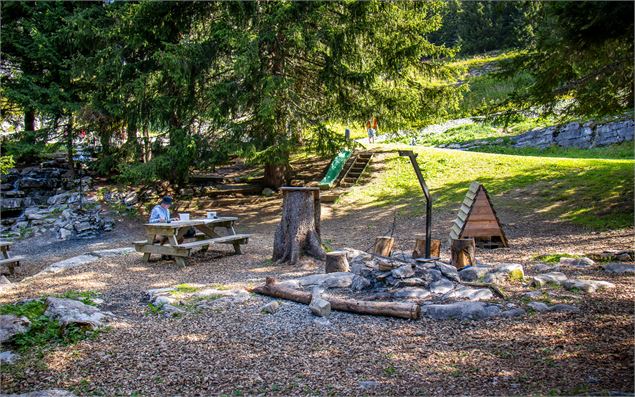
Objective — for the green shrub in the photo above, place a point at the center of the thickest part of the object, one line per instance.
(44, 331)
(6, 163)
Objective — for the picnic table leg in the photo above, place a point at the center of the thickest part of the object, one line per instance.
(150, 237)
(174, 242)
(5, 252)
(209, 231)
(237, 249)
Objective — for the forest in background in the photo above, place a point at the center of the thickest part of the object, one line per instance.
(164, 86)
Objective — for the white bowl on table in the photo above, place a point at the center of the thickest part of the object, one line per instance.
(211, 215)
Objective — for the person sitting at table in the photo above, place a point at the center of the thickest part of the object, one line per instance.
(161, 213)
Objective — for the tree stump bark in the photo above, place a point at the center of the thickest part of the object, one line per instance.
(420, 247)
(383, 245)
(463, 252)
(299, 230)
(336, 262)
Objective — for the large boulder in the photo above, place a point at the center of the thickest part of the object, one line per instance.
(441, 287)
(579, 262)
(473, 273)
(473, 294)
(461, 311)
(504, 272)
(548, 278)
(69, 311)
(11, 325)
(448, 271)
(619, 268)
(589, 286)
(70, 263)
(412, 293)
(403, 271)
(331, 280)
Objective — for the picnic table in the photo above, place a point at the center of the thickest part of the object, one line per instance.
(6, 259)
(174, 231)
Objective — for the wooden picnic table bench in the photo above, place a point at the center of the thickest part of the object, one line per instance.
(6, 259)
(173, 232)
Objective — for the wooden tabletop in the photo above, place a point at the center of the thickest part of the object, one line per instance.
(193, 222)
(5, 243)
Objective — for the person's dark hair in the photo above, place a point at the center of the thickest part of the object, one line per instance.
(166, 200)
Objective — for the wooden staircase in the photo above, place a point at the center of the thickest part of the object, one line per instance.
(355, 169)
(351, 173)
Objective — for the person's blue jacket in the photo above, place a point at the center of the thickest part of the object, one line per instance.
(159, 212)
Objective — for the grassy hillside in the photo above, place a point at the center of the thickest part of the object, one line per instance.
(594, 192)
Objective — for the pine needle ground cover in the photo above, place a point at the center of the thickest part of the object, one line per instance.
(588, 191)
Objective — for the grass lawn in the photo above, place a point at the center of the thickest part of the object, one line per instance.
(594, 192)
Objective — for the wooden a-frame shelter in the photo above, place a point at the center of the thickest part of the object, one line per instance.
(477, 219)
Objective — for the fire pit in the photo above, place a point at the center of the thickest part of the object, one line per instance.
(396, 286)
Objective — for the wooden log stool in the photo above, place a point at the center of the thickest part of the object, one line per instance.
(336, 262)
(383, 245)
(420, 247)
(463, 252)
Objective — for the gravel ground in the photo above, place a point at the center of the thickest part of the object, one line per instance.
(43, 250)
(235, 349)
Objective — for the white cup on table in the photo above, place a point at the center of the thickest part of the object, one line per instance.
(184, 216)
(211, 215)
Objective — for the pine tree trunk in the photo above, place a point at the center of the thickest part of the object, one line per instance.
(299, 230)
(29, 120)
(146, 144)
(69, 146)
(133, 142)
(274, 175)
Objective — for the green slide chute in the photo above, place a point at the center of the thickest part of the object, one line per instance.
(336, 167)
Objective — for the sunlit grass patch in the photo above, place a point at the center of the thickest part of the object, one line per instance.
(592, 192)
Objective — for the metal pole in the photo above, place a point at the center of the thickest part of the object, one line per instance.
(426, 193)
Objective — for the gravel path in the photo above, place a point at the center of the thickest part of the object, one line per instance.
(235, 349)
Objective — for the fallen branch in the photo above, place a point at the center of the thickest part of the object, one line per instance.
(493, 287)
(390, 309)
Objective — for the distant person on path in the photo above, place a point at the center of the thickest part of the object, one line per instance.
(371, 131)
(347, 134)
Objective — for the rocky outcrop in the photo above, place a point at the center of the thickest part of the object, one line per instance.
(44, 199)
(577, 135)
(583, 136)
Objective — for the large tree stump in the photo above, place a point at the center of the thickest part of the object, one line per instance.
(383, 245)
(463, 252)
(299, 230)
(420, 247)
(336, 262)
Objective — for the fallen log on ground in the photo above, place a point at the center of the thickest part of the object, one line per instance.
(390, 309)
